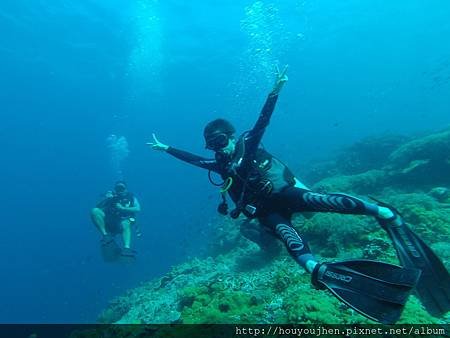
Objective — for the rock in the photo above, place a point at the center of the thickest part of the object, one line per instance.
(441, 194)
(423, 161)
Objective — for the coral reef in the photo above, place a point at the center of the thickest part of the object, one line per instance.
(398, 161)
(431, 148)
(369, 153)
(239, 283)
(441, 194)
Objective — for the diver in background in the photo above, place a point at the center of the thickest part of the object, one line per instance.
(263, 188)
(114, 215)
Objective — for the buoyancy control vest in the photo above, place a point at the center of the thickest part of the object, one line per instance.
(255, 177)
(109, 204)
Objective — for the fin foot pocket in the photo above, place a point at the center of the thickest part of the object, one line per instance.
(377, 290)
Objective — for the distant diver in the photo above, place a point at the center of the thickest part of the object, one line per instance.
(113, 215)
(262, 187)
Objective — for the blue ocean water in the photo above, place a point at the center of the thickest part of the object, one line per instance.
(73, 72)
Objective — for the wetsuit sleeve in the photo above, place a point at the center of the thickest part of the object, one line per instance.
(136, 205)
(209, 164)
(255, 135)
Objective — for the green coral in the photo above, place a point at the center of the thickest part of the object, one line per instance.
(332, 234)
(222, 306)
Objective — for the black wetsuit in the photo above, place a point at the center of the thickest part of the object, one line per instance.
(264, 188)
(114, 216)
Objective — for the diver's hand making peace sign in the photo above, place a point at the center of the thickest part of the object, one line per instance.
(280, 80)
(156, 145)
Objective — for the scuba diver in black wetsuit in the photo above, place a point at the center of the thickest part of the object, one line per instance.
(262, 187)
(113, 215)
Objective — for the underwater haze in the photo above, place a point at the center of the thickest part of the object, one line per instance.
(85, 83)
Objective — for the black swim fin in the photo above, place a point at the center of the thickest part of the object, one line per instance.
(127, 255)
(377, 290)
(433, 288)
(110, 249)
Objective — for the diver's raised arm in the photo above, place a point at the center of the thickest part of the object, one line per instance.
(256, 133)
(280, 80)
(198, 161)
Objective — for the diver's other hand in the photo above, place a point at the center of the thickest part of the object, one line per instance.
(156, 145)
(109, 194)
(280, 80)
